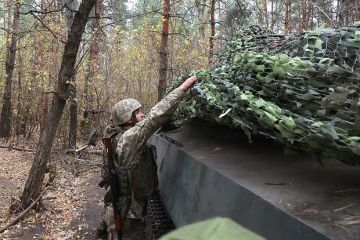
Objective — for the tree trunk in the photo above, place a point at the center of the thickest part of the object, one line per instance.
(37, 61)
(303, 15)
(93, 67)
(163, 50)
(259, 13)
(6, 112)
(266, 17)
(348, 12)
(212, 28)
(337, 13)
(275, 17)
(310, 15)
(19, 124)
(72, 5)
(357, 11)
(37, 172)
(325, 13)
(200, 7)
(7, 24)
(73, 116)
(93, 56)
(287, 16)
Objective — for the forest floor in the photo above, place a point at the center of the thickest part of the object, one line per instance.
(72, 203)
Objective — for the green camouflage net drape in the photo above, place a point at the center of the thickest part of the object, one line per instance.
(302, 91)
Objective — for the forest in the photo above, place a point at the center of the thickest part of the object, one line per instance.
(67, 62)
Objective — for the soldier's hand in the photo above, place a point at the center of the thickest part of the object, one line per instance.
(188, 83)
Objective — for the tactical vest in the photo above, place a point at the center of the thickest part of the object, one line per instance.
(143, 176)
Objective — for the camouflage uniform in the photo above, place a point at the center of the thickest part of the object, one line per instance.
(131, 145)
(131, 148)
(130, 162)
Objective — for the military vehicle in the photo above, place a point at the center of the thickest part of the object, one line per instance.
(206, 171)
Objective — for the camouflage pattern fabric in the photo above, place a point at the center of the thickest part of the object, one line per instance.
(114, 132)
(107, 225)
(130, 150)
(302, 92)
(122, 111)
(131, 144)
(111, 130)
(130, 158)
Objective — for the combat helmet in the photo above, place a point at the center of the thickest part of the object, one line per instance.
(122, 111)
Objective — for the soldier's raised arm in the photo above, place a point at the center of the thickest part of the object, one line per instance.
(138, 135)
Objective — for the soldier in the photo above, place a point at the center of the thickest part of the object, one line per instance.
(129, 132)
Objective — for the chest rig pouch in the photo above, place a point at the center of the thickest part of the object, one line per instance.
(140, 181)
(144, 178)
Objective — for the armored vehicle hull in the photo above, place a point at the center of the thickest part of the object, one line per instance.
(206, 171)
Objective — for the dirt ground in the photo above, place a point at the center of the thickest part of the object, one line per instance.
(71, 205)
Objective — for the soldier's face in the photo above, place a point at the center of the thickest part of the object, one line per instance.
(139, 115)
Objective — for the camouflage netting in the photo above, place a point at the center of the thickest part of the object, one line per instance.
(302, 91)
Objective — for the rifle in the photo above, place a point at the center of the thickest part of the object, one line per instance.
(114, 187)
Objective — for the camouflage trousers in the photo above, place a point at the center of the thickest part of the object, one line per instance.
(141, 186)
(136, 213)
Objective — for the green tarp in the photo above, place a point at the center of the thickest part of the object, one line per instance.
(213, 229)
